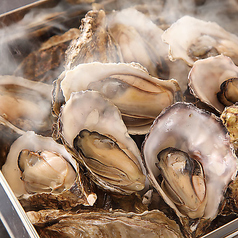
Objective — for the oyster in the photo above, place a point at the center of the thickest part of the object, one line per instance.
(200, 40)
(46, 63)
(195, 158)
(139, 97)
(26, 104)
(151, 224)
(92, 129)
(214, 81)
(94, 42)
(42, 174)
(139, 40)
(229, 118)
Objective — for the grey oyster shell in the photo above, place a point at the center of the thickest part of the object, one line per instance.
(204, 138)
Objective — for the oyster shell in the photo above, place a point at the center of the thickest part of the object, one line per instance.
(46, 63)
(207, 77)
(139, 96)
(200, 40)
(26, 104)
(151, 224)
(229, 118)
(94, 42)
(139, 40)
(205, 141)
(92, 129)
(42, 174)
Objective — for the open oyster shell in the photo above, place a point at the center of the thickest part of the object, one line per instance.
(92, 224)
(42, 174)
(200, 39)
(92, 129)
(139, 96)
(26, 104)
(202, 136)
(207, 77)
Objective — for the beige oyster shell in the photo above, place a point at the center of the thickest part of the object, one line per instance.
(42, 174)
(139, 96)
(207, 76)
(205, 140)
(229, 118)
(92, 129)
(95, 224)
(191, 39)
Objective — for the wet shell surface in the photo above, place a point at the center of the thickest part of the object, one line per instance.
(191, 39)
(139, 96)
(26, 104)
(92, 127)
(207, 77)
(42, 173)
(206, 169)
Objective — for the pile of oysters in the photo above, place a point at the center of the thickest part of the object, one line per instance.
(133, 132)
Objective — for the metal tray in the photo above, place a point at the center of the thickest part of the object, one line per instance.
(56, 16)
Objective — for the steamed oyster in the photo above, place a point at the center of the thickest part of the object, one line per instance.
(189, 161)
(94, 42)
(215, 81)
(139, 40)
(115, 224)
(122, 36)
(26, 104)
(200, 39)
(42, 174)
(139, 96)
(92, 129)
(46, 63)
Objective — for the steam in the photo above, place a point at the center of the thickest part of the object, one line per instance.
(18, 39)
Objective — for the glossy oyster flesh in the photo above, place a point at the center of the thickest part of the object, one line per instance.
(195, 159)
(214, 81)
(43, 174)
(26, 104)
(151, 224)
(139, 97)
(92, 129)
(200, 40)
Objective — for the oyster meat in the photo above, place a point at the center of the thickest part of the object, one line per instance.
(215, 81)
(189, 160)
(139, 96)
(92, 129)
(42, 174)
(200, 39)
